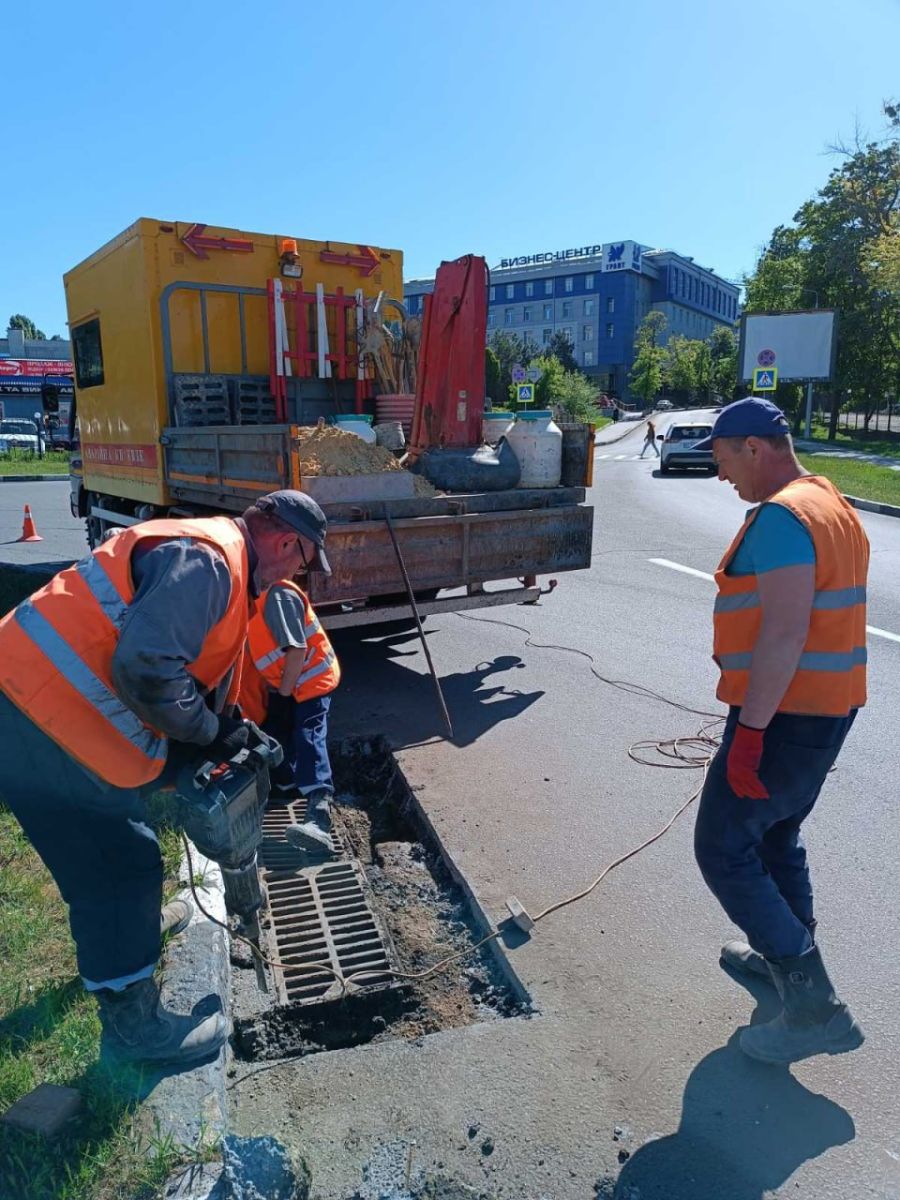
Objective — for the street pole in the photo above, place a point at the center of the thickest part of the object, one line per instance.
(809, 386)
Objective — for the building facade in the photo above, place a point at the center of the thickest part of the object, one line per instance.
(24, 364)
(599, 295)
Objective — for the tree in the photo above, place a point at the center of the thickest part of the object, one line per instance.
(28, 327)
(647, 370)
(510, 350)
(562, 348)
(548, 386)
(576, 397)
(492, 376)
(680, 366)
(723, 350)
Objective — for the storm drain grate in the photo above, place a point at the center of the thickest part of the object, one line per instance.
(275, 854)
(321, 915)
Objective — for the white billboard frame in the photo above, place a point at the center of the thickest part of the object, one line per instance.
(792, 368)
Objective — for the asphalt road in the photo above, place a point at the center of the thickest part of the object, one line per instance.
(637, 1023)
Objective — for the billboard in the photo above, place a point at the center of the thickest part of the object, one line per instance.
(799, 345)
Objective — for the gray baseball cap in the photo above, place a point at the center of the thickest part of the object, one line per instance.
(303, 514)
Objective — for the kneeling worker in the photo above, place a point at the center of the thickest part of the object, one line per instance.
(290, 670)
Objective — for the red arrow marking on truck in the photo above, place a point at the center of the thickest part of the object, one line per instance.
(366, 261)
(197, 244)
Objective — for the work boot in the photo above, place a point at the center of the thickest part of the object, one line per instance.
(812, 1021)
(743, 958)
(315, 832)
(137, 1029)
(175, 917)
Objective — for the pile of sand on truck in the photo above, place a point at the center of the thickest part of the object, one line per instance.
(328, 450)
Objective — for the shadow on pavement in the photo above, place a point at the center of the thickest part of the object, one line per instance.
(746, 1127)
(674, 474)
(373, 668)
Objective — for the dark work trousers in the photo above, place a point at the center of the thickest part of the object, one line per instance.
(751, 852)
(95, 842)
(302, 729)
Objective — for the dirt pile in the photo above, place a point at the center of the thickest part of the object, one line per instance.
(328, 450)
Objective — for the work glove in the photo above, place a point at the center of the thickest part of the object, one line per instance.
(742, 764)
(233, 735)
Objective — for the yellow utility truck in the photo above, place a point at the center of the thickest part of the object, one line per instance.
(203, 354)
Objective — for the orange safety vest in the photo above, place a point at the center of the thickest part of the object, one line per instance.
(57, 647)
(264, 660)
(831, 676)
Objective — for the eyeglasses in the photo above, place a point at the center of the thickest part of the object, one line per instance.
(303, 554)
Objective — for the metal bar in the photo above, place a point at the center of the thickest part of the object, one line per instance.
(204, 326)
(424, 640)
(243, 324)
(397, 612)
(341, 335)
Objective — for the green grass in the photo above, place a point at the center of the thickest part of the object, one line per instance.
(854, 478)
(49, 1033)
(22, 462)
(601, 422)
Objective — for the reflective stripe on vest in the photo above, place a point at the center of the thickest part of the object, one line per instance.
(830, 678)
(273, 656)
(81, 677)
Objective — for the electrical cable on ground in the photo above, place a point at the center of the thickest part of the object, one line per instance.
(689, 753)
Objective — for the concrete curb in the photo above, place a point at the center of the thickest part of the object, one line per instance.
(873, 506)
(34, 478)
(190, 1106)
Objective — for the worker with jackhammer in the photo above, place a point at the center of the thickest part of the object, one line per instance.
(790, 643)
(290, 670)
(122, 669)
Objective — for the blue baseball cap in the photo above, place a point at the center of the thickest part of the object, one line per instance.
(751, 417)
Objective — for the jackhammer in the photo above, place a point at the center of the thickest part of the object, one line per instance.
(221, 812)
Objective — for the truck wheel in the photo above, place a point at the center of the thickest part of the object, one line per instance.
(94, 528)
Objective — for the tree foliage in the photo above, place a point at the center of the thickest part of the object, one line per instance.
(649, 357)
(510, 350)
(492, 376)
(562, 348)
(28, 327)
(575, 398)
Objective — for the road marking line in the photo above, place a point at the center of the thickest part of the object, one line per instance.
(619, 457)
(674, 566)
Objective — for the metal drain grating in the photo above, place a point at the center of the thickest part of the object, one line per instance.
(321, 915)
(275, 854)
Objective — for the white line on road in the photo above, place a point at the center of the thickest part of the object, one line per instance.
(674, 566)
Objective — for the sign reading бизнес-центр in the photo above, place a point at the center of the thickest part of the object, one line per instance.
(799, 345)
(615, 256)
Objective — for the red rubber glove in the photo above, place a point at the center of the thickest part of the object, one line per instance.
(742, 764)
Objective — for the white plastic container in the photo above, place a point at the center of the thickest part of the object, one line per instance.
(537, 442)
(497, 424)
(357, 423)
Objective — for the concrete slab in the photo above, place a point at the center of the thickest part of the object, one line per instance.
(44, 1111)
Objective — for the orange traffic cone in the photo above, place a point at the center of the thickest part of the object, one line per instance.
(29, 533)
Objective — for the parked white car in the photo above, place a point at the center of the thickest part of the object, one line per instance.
(18, 433)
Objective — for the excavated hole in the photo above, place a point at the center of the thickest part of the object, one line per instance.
(423, 913)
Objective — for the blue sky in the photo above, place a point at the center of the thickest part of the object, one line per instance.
(497, 128)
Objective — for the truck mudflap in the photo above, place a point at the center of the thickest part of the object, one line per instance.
(461, 550)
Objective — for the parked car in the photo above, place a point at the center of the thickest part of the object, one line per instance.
(677, 449)
(18, 433)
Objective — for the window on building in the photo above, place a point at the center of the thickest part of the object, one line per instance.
(529, 288)
(588, 283)
(508, 315)
(587, 333)
(88, 354)
(526, 314)
(566, 309)
(568, 332)
(588, 358)
(569, 283)
(548, 312)
(589, 307)
(510, 291)
(548, 334)
(548, 287)
(610, 305)
(610, 329)
(493, 293)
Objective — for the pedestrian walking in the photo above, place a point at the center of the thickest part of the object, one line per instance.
(790, 643)
(290, 671)
(120, 670)
(650, 440)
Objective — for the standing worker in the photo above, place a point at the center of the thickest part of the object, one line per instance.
(290, 671)
(790, 642)
(111, 677)
(650, 439)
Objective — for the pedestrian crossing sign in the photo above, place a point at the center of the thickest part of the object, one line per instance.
(525, 393)
(765, 379)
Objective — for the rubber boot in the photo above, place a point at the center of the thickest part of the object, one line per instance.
(175, 917)
(315, 832)
(812, 1021)
(743, 958)
(137, 1029)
